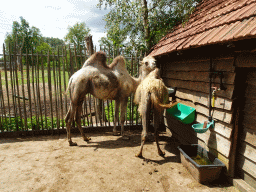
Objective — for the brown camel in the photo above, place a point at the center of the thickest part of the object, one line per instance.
(151, 94)
(103, 82)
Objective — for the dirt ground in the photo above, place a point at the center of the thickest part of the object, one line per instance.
(106, 163)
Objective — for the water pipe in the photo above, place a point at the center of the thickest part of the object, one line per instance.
(210, 91)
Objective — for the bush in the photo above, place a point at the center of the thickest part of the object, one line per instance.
(15, 124)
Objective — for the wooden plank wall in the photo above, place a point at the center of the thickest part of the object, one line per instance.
(191, 78)
(246, 154)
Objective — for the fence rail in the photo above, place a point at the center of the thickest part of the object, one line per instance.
(32, 88)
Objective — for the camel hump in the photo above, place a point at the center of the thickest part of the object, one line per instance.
(119, 61)
(98, 58)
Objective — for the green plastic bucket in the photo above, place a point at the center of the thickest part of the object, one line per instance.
(183, 113)
(199, 128)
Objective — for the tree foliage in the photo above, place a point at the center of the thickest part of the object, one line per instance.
(54, 43)
(76, 35)
(26, 37)
(144, 22)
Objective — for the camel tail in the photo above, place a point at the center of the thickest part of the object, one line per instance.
(69, 83)
(156, 101)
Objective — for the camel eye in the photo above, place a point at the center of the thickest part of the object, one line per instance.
(146, 63)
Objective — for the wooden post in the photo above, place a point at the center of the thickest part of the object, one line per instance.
(131, 98)
(3, 114)
(23, 95)
(33, 91)
(233, 148)
(38, 91)
(45, 110)
(13, 87)
(60, 87)
(137, 74)
(65, 65)
(29, 90)
(55, 91)
(6, 83)
(50, 87)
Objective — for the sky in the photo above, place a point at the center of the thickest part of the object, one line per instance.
(53, 17)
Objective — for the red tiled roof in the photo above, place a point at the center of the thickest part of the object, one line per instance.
(213, 21)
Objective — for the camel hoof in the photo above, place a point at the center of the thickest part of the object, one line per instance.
(125, 137)
(138, 155)
(116, 133)
(87, 138)
(72, 143)
(161, 153)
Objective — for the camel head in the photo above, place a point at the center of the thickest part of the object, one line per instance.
(148, 64)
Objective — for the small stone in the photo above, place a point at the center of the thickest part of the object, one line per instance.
(142, 163)
(150, 173)
(179, 172)
(155, 170)
(158, 181)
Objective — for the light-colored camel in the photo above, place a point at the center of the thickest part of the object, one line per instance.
(151, 94)
(103, 81)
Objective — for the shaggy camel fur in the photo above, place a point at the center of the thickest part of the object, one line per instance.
(151, 94)
(103, 82)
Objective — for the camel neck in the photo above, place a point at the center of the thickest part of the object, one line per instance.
(136, 82)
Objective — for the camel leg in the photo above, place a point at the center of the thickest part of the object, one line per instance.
(117, 104)
(68, 119)
(78, 122)
(123, 112)
(145, 123)
(157, 121)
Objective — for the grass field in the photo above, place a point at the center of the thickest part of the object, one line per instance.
(33, 77)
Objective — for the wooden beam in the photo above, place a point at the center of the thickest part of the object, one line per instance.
(200, 87)
(248, 151)
(249, 136)
(246, 60)
(219, 64)
(228, 77)
(202, 98)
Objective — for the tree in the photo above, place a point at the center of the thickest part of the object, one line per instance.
(144, 21)
(115, 40)
(26, 37)
(76, 35)
(54, 43)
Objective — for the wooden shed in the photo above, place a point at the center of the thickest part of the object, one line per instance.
(221, 34)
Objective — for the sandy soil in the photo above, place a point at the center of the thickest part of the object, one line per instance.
(106, 163)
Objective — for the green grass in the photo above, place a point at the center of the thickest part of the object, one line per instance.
(40, 77)
(14, 124)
